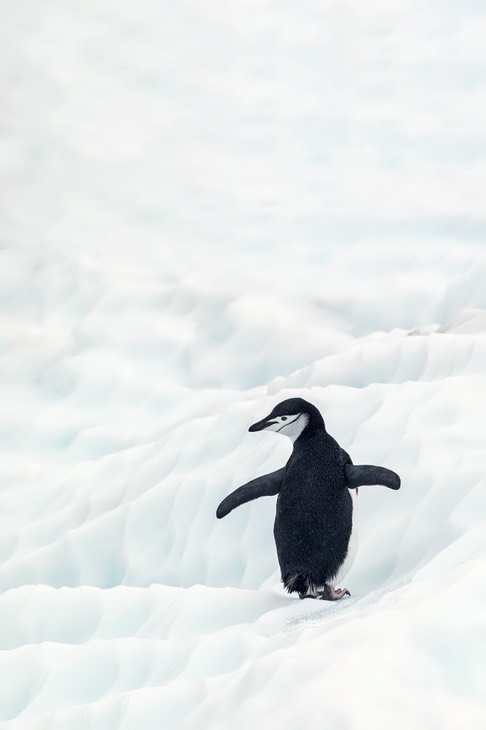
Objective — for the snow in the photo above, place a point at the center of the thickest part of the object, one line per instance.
(208, 208)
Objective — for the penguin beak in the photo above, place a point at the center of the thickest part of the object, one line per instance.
(261, 425)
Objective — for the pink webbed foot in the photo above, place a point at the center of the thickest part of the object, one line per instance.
(328, 593)
(333, 594)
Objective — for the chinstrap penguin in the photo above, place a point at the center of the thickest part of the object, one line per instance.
(315, 525)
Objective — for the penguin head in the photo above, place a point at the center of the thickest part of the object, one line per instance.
(290, 417)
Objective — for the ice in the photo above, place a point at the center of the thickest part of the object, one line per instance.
(208, 208)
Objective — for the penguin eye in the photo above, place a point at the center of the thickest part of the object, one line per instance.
(284, 418)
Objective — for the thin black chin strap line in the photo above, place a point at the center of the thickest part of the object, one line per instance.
(289, 423)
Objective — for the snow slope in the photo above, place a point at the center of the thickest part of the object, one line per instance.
(207, 208)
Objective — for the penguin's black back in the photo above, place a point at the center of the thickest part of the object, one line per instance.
(314, 513)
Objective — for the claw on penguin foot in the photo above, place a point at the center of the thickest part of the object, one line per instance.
(333, 594)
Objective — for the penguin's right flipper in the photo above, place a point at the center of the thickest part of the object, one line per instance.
(264, 486)
(360, 476)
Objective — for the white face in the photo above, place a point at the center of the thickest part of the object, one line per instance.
(291, 426)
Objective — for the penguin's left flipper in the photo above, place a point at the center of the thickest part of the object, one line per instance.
(364, 474)
(264, 486)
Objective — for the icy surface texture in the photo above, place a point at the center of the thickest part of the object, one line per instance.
(207, 208)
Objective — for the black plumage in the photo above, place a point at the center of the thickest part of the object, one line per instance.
(314, 512)
(313, 520)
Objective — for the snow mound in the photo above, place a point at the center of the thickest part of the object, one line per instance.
(208, 210)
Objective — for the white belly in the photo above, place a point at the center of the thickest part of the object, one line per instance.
(353, 542)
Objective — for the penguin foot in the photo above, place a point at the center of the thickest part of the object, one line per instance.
(328, 593)
(333, 594)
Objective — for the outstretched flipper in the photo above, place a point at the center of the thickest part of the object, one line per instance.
(360, 476)
(264, 486)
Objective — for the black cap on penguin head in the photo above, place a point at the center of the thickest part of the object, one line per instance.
(286, 409)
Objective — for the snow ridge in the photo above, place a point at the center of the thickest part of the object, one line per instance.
(207, 209)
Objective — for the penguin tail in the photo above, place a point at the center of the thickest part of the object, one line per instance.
(299, 583)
